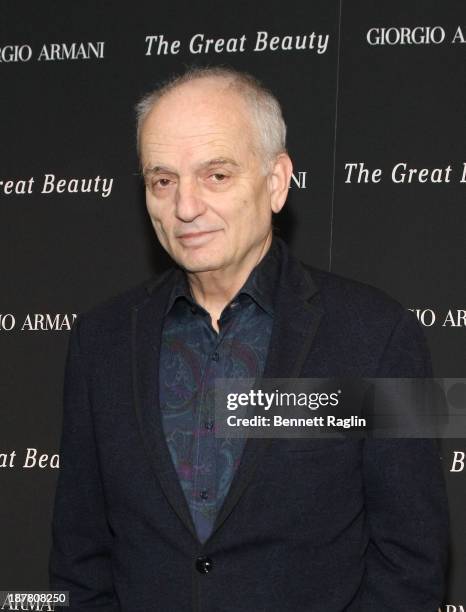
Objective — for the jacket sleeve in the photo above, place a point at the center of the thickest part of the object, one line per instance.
(80, 557)
(405, 497)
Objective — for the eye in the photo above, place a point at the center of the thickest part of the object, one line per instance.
(162, 182)
(218, 177)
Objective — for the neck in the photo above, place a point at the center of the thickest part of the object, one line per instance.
(214, 289)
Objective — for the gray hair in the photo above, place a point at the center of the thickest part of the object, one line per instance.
(265, 109)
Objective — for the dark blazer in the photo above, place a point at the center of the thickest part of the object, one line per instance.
(307, 526)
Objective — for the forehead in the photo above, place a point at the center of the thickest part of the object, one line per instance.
(197, 118)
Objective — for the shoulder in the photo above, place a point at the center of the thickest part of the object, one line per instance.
(368, 328)
(353, 297)
(344, 300)
(115, 311)
(351, 310)
(360, 308)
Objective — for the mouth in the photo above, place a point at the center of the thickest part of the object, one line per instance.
(197, 237)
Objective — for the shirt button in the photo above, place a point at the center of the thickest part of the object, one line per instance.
(215, 356)
(193, 309)
(209, 425)
(204, 494)
(204, 565)
(233, 304)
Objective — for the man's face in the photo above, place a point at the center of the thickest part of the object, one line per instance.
(206, 192)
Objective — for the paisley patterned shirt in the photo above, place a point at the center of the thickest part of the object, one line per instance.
(192, 356)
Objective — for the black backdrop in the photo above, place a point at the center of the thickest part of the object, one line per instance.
(379, 87)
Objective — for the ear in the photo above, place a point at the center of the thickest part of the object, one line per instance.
(279, 181)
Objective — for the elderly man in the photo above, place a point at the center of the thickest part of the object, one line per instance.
(154, 511)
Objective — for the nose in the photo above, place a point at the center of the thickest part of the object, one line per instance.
(188, 200)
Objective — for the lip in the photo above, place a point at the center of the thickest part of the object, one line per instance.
(197, 237)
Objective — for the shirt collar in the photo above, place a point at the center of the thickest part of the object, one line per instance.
(259, 285)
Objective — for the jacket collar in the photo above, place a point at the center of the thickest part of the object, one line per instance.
(261, 284)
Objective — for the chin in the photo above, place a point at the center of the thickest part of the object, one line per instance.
(199, 259)
(204, 267)
(200, 263)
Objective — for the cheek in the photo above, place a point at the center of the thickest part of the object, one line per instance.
(150, 204)
(253, 213)
(255, 203)
(156, 212)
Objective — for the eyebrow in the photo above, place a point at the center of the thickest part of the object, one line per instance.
(156, 169)
(217, 161)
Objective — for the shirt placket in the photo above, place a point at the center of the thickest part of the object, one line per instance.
(204, 450)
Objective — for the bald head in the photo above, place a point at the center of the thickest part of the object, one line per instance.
(266, 127)
(205, 112)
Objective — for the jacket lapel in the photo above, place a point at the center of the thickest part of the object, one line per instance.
(147, 322)
(297, 315)
(298, 312)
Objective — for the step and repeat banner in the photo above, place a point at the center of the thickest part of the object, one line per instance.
(374, 98)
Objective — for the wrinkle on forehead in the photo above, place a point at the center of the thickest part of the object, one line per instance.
(155, 140)
(194, 149)
(165, 149)
(196, 127)
(197, 117)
